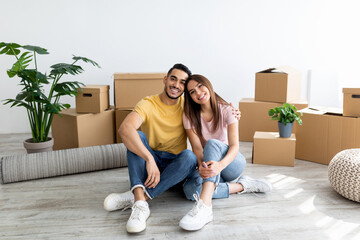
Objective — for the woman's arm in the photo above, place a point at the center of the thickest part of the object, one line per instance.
(195, 145)
(198, 151)
(233, 138)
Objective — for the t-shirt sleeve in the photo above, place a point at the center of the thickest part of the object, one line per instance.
(142, 108)
(186, 122)
(229, 118)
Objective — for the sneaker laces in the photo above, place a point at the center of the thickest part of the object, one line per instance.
(136, 211)
(128, 201)
(194, 211)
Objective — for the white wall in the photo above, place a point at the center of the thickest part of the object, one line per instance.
(227, 41)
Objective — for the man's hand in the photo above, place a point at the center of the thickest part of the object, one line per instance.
(204, 171)
(153, 174)
(236, 112)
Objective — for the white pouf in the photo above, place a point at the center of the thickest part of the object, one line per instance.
(344, 174)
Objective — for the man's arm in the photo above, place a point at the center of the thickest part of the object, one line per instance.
(132, 141)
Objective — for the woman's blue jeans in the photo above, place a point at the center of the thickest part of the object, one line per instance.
(216, 150)
(173, 168)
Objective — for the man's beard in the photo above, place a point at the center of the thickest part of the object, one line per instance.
(171, 96)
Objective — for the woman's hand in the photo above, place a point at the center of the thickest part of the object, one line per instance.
(216, 167)
(153, 174)
(204, 171)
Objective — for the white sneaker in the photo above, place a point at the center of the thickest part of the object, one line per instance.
(139, 215)
(254, 185)
(116, 201)
(197, 217)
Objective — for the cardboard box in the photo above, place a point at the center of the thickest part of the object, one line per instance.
(130, 88)
(281, 84)
(270, 149)
(351, 104)
(254, 117)
(324, 133)
(74, 130)
(93, 99)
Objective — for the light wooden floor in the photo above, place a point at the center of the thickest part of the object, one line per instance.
(302, 206)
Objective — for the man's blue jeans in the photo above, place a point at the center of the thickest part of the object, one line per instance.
(216, 150)
(173, 168)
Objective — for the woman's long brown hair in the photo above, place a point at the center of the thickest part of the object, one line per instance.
(192, 109)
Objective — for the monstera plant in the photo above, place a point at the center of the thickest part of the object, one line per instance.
(41, 92)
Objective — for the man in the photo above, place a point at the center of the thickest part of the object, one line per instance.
(157, 157)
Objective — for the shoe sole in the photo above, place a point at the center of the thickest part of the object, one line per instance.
(195, 228)
(135, 229)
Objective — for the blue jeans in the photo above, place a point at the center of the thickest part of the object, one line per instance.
(216, 150)
(173, 168)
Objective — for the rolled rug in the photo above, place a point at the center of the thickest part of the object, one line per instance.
(61, 162)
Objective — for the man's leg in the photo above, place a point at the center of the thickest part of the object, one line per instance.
(178, 168)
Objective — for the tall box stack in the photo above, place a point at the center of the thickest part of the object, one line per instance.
(129, 89)
(273, 87)
(91, 123)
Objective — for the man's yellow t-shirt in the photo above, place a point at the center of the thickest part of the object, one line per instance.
(162, 124)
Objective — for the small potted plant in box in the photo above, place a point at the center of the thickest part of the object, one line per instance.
(40, 106)
(285, 115)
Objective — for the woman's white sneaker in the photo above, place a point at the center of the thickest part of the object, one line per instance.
(116, 201)
(139, 215)
(197, 217)
(254, 185)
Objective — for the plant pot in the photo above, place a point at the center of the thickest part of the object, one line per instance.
(285, 131)
(32, 147)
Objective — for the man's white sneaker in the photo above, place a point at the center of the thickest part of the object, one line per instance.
(197, 217)
(116, 201)
(139, 215)
(254, 185)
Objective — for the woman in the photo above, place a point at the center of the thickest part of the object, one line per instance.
(213, 133)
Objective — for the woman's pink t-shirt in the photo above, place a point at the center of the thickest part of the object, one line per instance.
(226, 118)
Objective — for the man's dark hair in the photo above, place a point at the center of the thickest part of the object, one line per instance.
(181, 67)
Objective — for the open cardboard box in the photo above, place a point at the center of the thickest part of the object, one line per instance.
(324, 133)
(280, 84)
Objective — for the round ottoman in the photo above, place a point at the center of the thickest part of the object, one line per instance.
(344, 174)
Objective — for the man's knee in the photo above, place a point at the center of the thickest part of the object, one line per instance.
(188, 158)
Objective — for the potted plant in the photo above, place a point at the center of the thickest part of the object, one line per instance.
(40, 107)
(285, 115)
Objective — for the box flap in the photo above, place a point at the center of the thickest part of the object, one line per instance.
(120, 76)
(322, 110)
(281, 69)
(351, 90)
(95, 88)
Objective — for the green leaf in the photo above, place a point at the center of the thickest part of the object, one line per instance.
(21, 63)
(67, 88)
(38, 50)
(17, 103)
(9, 48)
(64, 68)
(77, 58)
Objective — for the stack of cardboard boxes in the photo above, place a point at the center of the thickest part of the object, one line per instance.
(129, 89)
(93, 121)
(326, 131)
(273, 87)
